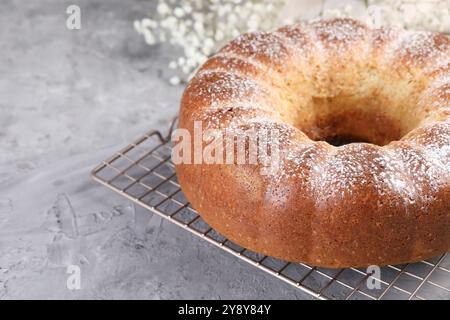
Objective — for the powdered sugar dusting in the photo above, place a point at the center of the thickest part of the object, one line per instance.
(261, 46)
(434, 142)
(267, 124)
(437, 94)
(359, 168)
(229, 57)
(441, 66)
(339, 34)
(228, 94)
(382, 37)
(417, 48)
(425, 171)
(299, 41)
(403, 173)
(296, 34)
(224, 86)
(220, 115)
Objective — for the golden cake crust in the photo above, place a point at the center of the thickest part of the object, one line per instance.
(355, 205)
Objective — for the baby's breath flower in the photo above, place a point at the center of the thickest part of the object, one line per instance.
(178, 12)
(149, 37)
(163, 9)
(174, 81)
(432, 15)
(199, 27)
(173, 65)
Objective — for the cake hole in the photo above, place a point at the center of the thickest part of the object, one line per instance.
(340, 121)
(352, 105)
(338, 141)
(358, 126)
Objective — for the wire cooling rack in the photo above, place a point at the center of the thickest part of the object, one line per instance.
(143, 172)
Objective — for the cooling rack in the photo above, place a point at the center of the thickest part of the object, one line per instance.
(143, 172)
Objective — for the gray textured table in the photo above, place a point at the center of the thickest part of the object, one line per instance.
(64, 97)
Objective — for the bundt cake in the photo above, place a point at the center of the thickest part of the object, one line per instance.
(362, 118)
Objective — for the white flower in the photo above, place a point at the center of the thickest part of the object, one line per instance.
(219, 35)
(137, 26)
(178, 12)
(172, 65)
(174, 81)
(186, 69)
(149, 37)
(253, 23)
(200, 27)
(235, 33)
(209, 43)
(181, 61)
(148, 23)
(169, 23)
(163, 9)
(187, 8)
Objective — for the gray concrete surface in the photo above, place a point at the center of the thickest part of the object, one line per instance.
(63, 91)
